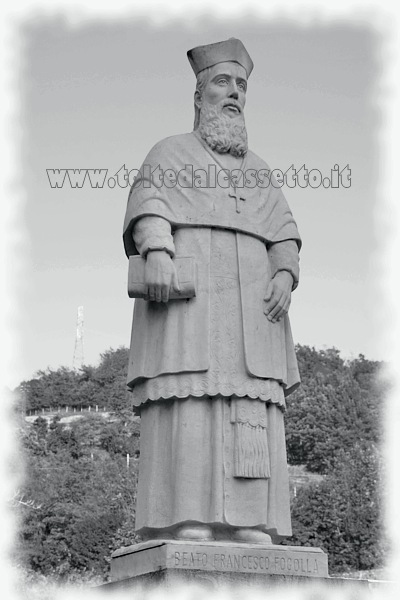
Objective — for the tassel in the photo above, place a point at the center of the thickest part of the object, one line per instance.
(251, 455)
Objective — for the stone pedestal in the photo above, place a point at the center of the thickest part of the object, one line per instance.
(215, 563)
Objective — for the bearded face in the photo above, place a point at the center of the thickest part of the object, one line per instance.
(222, 130)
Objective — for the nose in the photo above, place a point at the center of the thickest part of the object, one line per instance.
(233, 91)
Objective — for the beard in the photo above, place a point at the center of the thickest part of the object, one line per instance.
(222, 132)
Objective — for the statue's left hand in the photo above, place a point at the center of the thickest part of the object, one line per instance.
(277, 298)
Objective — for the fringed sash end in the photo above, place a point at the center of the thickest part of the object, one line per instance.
(251, 455)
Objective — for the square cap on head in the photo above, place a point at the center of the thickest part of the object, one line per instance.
(231, 50)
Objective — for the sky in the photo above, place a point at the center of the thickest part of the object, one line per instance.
(101, 94)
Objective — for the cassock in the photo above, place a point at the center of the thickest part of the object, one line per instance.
(209, 375)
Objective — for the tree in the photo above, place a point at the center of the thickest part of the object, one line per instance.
(77, 495)
(51, 388)
(330, 411)
(104, 385)
(77, 503)
(343, 514)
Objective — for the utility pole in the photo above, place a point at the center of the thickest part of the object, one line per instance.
(78, 359)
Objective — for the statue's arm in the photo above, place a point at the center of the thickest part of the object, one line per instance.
(284, 256)
(154, 242)
(153, 233)
(284, 260)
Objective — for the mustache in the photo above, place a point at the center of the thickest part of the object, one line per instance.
(230, 102)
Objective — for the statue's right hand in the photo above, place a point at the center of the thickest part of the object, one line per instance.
(160, 276)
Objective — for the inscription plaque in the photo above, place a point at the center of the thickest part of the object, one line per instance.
(243, 562)
(218, 557)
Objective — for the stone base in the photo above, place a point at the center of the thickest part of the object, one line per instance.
(214, 563)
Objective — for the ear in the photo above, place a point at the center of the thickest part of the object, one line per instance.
(197, 99)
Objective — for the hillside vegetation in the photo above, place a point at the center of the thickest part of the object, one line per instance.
(77, 503)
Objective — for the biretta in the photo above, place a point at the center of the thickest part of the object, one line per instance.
(231, 50)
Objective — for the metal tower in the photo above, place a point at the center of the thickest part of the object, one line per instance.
(78, 359)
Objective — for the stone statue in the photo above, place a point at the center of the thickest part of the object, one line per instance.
(209, 374)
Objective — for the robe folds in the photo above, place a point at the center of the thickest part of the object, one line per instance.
(212, 443)
(175, 337)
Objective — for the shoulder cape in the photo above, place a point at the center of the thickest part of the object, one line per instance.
(264, 213)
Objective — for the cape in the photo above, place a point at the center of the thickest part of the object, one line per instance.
(175, 338)
(264, 212)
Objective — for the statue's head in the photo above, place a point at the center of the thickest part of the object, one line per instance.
(222, 70)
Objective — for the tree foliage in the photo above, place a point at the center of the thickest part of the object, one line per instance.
(78, 500)
(343, 514)
(79, 493)
(337, 405)
(104, 385)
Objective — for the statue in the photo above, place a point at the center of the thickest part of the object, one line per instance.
(209, 374)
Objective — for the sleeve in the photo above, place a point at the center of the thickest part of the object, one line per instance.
(153, 233)
(284, 256)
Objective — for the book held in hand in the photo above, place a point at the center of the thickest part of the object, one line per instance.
(186, 271)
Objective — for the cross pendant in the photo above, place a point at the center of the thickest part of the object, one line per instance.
(238, 198)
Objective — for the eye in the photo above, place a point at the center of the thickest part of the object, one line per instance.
(242, 86)
(222, 80)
